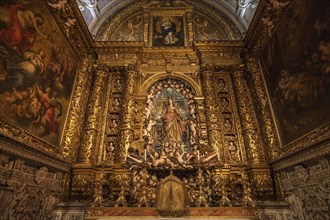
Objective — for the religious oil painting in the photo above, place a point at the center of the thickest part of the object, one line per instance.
(297, 69)
(168, 31)
(37, 69)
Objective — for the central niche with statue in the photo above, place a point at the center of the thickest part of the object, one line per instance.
(170, 130)
(169, 167)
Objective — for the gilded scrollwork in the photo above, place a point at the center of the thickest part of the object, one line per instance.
(315, 137)
(69, 20)
(211, 108)
(127, 132)
(262, 184)
(272, 13)
(10, 130)
(73, 126)
(82, 187)
(250, 126)
(98, 189)
(94, 110)
(268, 125)
(233, 151)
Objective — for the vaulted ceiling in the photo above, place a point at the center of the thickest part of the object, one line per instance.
(238, 13)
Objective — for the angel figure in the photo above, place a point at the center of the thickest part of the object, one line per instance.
(59, 5)
(132, 30)
(203, 28)
(148, 129)
(278, 5)
(269, 24)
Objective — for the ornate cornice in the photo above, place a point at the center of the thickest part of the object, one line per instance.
(311, 146)
(13, 132)
(315, 137)
(220, 53)
(29, 153)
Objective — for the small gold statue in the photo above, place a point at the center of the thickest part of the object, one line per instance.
(247, 197)
(224, 195)
(98, 191)
(121, 201)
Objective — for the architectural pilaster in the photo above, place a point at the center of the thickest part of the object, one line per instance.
(211, 109)
(73, 126)
(94, 112)
(267, 127)
(127, 131)
(259, 172)
(250, 127)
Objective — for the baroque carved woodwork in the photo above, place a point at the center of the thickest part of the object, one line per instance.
(32, 197)
(148, 106)
(306, 190)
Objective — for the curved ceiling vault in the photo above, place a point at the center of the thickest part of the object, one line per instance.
(230, 17)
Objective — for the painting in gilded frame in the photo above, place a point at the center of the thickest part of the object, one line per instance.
(296, 69)
(168, 31)
(37, 69)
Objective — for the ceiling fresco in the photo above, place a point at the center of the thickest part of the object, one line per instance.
(98, 12)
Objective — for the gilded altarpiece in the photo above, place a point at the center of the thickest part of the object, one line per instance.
(171, 114)
(167, 132)
(168, 114)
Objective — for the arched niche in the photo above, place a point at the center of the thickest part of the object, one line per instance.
(170, 128)
(161, 76)
(170, 116)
